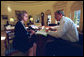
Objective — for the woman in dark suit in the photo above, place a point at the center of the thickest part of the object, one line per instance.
(22, 41)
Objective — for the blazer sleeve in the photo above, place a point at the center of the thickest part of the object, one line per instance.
(20, 31)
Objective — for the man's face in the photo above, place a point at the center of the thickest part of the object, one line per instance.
(58, 16)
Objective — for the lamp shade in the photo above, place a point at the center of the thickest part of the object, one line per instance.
(11, 19)
(31, 19)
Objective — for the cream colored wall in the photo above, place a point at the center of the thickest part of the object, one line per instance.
(36, 9)
(3, 12)
(31, 9)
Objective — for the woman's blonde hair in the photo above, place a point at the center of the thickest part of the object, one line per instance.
(21, 15)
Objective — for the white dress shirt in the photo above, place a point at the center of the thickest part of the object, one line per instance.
(66, 30)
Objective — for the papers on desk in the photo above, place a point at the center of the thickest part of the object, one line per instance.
(33, 26)
(41, 32)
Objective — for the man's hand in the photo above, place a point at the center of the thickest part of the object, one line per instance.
(52, 29)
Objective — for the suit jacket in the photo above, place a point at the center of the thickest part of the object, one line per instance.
(21, 40)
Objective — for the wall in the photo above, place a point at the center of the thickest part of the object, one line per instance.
(36, 9)
(32, 9)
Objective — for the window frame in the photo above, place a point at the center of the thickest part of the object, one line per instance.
(77, 18)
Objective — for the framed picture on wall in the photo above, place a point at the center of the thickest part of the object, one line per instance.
(5, 17)
(37, 21)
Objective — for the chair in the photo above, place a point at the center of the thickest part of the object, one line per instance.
(8, 42)
(10, 51)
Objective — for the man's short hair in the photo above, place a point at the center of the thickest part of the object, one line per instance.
(60, 12)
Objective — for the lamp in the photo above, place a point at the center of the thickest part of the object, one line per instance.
(11, 19)
(9, 9)
(31, 19)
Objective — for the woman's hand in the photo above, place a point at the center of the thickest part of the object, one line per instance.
(32, 32)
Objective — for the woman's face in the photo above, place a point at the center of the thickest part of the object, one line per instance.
(25, 18)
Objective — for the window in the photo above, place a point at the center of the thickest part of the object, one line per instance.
(49, 19)
(37, 20)
(77, 17)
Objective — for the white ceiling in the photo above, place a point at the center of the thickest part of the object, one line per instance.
(33, 7)
(28, 1)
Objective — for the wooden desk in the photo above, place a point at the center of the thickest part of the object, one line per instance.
(41, 44)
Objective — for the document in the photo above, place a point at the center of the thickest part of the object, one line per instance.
(41, 32)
